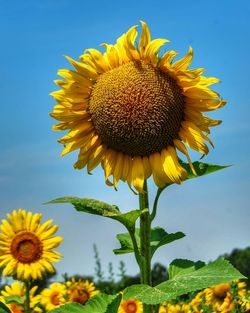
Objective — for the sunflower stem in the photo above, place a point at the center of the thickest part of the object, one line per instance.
(145, 233)
(27, 302)
(136, 249)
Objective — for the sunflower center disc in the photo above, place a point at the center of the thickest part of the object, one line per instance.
(54, 298)
(136, 108)
(131, 308)
(26, 247)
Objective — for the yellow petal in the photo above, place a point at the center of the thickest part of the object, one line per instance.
(84, 69)
(152, 49)
(146, 167)
(118, 168)
(138, 174)
(96, 157)
(159, 175)
(131, 50)
(145, 38)
(200, 93)
(79, 130)
(182, 64)
(205, 104)
(181, 147)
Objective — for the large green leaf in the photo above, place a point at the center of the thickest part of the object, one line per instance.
(4, 308)
(101, 303)
(159, 237)
(96, 207)
(185, 280)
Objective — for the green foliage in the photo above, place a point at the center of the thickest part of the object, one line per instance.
(4, 308)
(101, 303)
(98, 265)
(186, 277)
(240, 258)
(159, 237)
(100, 208)
(15, 299)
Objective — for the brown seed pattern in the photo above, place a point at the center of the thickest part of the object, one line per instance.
(26, 247)
(136, 108)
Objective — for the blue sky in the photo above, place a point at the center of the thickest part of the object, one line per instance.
(213, 211)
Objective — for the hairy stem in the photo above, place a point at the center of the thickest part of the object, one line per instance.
(145, 233)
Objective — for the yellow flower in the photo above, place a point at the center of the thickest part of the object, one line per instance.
(18, 289)
(130, 109)
(26, 245)
(130, 306)
(54, 296)
(80, 290)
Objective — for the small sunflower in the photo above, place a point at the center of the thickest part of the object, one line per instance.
(131, 109)
(80, 290)
(54, 296)
(18, 289)
(130, 306)
(26, 245)
(216, 295)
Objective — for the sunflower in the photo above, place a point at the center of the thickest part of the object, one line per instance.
(26, 245)
(130, 306)
(131, 109)
(54, 296)
(216, 295)
(18, 289)
(80, 290)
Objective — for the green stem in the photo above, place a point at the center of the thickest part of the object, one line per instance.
(27, 302)
(153, 214)
(136, 249)
(145, 233)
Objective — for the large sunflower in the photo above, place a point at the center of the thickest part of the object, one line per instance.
(26, 245)
(130, 109)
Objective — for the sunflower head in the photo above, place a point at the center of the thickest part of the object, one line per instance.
(131, 109)
(80, 290)
(130, 306)
(18, 289)
(54, 296)
(27, 246)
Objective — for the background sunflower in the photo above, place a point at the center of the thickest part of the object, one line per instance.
(27, 246)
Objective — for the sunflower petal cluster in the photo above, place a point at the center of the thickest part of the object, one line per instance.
(27, 245)
(18, 289)
(132, 109)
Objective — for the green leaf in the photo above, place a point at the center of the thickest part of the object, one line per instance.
(185, 280)
(72, 307)
(96, 207)
(126, 243)
(100, 303)
(159, 237)
(4, 308)
(202, 168)
(15, 299)
(181, 267)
